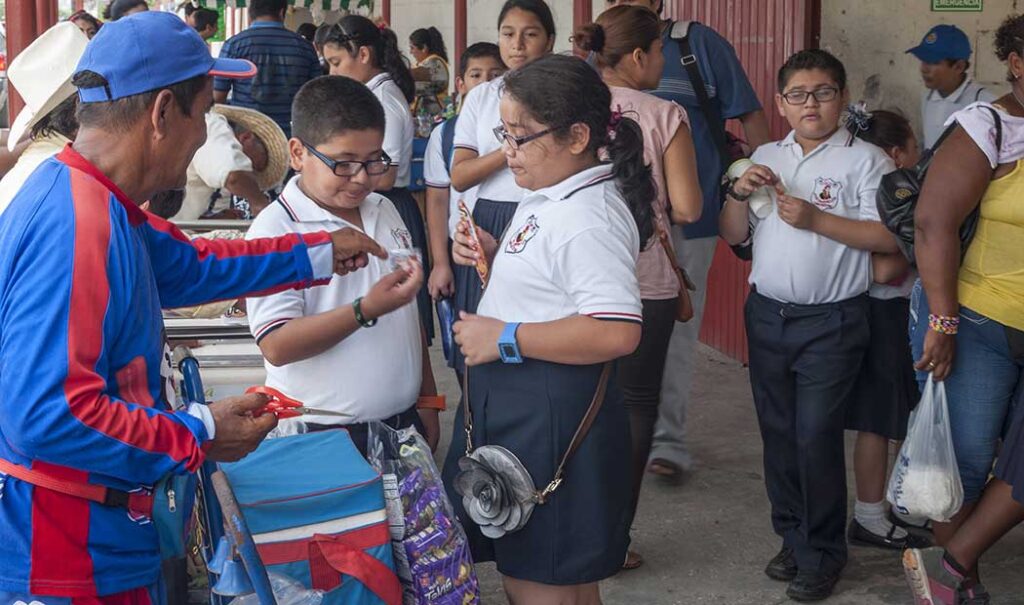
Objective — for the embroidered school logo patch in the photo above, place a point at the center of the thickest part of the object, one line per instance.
(826, 193)
(402, 237)
(523, 236)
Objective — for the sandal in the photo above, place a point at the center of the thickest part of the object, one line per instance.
(664, 468)
(633, 560)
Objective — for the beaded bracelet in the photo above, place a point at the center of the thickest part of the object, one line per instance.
(944, 324)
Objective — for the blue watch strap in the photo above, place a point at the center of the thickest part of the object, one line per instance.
(508, 346)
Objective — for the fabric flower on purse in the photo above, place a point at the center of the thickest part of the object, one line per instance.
(497, 490)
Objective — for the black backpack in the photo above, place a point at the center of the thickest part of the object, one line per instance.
(900, 190)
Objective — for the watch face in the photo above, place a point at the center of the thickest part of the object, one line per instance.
(509, 351)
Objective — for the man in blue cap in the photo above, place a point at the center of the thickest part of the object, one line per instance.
(945, 54)
(87, 424)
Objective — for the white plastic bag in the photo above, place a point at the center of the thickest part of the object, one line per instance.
(925, 481)
(286, 591)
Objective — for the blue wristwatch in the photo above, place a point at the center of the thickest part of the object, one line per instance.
(508, 348)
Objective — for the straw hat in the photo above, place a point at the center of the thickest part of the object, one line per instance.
(42, 75)
(273, 139)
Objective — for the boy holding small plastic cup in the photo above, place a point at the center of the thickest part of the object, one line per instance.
(807, 314)
(354, 345)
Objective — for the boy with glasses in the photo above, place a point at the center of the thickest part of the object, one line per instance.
(355, 346)
(807, 314)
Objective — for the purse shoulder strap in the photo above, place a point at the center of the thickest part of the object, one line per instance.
(663, 237)
(577, 438)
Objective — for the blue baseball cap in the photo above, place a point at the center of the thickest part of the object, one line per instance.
(148, 51)
(940, 43)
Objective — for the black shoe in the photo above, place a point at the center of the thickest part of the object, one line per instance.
(812, 586)
(783, 566)
(901, 523)
(859, 535)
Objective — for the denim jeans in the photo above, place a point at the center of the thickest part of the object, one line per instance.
(979, 390)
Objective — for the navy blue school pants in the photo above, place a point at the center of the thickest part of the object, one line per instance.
(804, 362)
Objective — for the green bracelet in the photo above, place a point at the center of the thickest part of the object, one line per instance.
(357, 306)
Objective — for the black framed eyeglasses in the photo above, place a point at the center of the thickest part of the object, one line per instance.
(821, 95)
(350, 168)
(515, 142)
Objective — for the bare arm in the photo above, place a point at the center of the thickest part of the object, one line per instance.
(684, 194)
(441, 279)
(220, 96)
(469, 169)
(578, 340)
(862, 235)
(755, 128)
(243, 184)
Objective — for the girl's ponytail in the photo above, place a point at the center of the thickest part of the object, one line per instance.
(626, 150)
(390, 60)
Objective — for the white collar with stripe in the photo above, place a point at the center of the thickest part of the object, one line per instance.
(301, 209)
(574, 184)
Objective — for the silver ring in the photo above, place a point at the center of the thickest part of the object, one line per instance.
(931, 365)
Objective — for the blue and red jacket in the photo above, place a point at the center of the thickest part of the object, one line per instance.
(83, 276)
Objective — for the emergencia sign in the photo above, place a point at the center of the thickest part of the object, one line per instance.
(957, 6)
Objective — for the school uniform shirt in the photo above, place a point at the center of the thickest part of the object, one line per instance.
(399, 129)
(221, 155)
(841, 176)
(475, 131)
(83, 276)
(571, 249)
(375, 372)
(436, 174)
(936, 109)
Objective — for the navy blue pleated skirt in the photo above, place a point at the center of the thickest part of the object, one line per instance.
(409, 210)
(1010, 467)
(581, 534)
(493, 217)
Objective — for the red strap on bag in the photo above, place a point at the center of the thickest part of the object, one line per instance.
(331, 555)
(139, 503)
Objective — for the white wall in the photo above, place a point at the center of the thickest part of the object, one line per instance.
(871, 38)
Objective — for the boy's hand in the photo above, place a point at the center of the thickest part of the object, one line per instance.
(464, 252)
(754, 178)
(393, 291)
(797, 212)
(352, 249)
(441, 282)
(238, 431)
(431, 426)
(477, 337)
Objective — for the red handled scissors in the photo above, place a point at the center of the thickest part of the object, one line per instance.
(284, 406)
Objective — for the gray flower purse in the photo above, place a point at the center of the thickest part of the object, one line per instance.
(497, 491)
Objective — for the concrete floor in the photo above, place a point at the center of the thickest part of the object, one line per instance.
(707, 539)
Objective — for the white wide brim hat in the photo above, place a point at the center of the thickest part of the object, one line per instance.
(273, 138)
(42, 75)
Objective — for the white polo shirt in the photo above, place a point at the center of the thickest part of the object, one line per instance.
(841, 176)
(221, 155)
(936, 109)
(399, 129)
(571, 249)
(376, 372)
(475, 130)
(437, 176)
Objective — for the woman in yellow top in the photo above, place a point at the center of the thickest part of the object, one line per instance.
(431, 71)
(969, 328)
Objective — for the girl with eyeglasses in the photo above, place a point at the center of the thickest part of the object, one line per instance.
(526, 32)
(561, 302)
(807, 313)
(356, 47)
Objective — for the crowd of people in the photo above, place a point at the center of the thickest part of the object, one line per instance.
(572, 211)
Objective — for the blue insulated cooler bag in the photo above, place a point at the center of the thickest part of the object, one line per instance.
(317, 514)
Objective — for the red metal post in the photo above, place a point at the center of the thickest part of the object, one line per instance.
(385, 11)
(46, 15)
(79, 5)
(582, 13)
(21, 30)
(461, 25)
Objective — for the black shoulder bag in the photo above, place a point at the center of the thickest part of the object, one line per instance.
(899, 192)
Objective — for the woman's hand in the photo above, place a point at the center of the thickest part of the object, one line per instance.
(442, 281)
(477, 337)
(754, 178)
(939, 350)
(464, 249)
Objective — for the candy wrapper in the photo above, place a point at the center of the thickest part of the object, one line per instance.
(400, 258)
(482, 269)
(430, 546)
